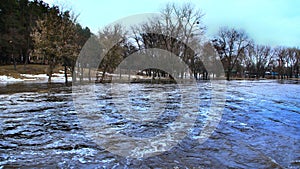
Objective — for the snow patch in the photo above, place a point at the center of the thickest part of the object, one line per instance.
(56, 78)
(9, 79)
(34, 76)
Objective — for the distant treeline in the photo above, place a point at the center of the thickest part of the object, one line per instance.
(31, 31)
(180, 30)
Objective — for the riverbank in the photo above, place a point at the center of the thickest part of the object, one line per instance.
(30, 72)
(38, 74)
(34, 69)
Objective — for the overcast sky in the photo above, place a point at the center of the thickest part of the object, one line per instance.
(270, 22)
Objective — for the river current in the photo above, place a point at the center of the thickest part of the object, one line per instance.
(259, 128)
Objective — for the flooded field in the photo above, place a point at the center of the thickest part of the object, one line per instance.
(260, 126)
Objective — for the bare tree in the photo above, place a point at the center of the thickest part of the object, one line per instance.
(208, 61)
(231, 45)
(177, 30)
(281, 56)
(111, 39)
(297, 64)
(292, 61)
(258, 58)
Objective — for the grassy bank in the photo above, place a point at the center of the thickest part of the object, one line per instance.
(34, 69)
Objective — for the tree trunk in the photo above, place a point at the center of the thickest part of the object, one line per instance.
(26, 57)
(73, 73)
(50, 72)
(49, 78)
(297, 71)
(228, 74)
(103, 73)
(15, 63)
(182, 75)
(129, 74)
(291, 72)
(81, 73)
(66, 74)
(90, 74)
(262, 73)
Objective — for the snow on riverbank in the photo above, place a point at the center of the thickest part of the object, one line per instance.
(56, 78)
(4, 78)
(34, 77)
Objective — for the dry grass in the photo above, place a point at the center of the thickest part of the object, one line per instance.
(8, 70)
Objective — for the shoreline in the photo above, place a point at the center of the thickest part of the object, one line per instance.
(59, 78)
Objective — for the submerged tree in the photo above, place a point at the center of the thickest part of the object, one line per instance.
(293, 62)
(281, 56)
(231, 45)
(258, 59)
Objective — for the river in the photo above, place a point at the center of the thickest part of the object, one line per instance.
(260, 127)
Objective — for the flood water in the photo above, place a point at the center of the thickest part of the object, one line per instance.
(259, 128)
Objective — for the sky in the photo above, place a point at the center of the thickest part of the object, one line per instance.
(267, 22)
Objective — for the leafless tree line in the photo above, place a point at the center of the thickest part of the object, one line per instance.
(180, 30)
